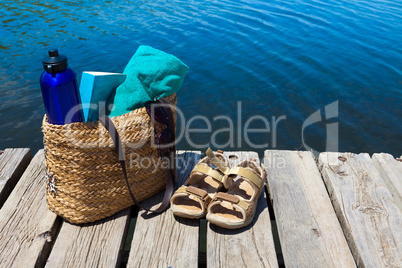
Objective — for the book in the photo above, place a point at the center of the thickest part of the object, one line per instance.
(95, 90)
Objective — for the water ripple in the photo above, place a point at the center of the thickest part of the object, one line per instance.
(278, 57)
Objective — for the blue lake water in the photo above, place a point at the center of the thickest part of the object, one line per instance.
(277, 60)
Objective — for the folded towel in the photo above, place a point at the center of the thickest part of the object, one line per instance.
(151, 73)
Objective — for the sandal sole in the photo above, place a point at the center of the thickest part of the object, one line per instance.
(230, 226)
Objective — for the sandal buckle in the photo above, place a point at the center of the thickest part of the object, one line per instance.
(227, 197)
(199, 192)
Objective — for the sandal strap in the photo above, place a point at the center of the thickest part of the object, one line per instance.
(208, 171)
(216, 161)
(231, 199)
(246, 173)
(200, 193)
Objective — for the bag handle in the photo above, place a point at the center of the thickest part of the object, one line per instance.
(170, 178)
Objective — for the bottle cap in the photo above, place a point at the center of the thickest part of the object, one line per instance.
(55, 62)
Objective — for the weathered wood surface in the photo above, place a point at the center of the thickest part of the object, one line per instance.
(309, 231)
(27, 226)
(98, 244)
(391, 172)
(251, 246)
(366, 195)
(369, 216)
(165, 240)
(13, 162)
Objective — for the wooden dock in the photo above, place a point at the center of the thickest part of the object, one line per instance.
(340, 210)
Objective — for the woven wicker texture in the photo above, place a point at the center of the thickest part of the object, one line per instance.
(85, 181)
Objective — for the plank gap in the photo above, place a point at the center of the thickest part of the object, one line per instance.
(134, 210)
(274, 229)
(202, 250)
(129, 237)
(13, 163)
(49, 247)
(390, 170)
(177, 247)
(308, 228)
(269, 203)
(130, 234)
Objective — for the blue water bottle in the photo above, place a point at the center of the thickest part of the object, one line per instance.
(60, 90)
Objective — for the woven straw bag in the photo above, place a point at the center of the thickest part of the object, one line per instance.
(84, 178)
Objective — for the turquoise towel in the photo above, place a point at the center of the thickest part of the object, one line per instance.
(151, 73)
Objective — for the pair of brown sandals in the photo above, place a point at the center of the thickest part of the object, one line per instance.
(227, 197)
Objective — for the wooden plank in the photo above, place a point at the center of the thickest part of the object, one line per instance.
(370, 219)
(165, 240)
(251, 246)
(13, 162)
(391, 173)
(97, 244)
(27, 226)
(309, 231)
